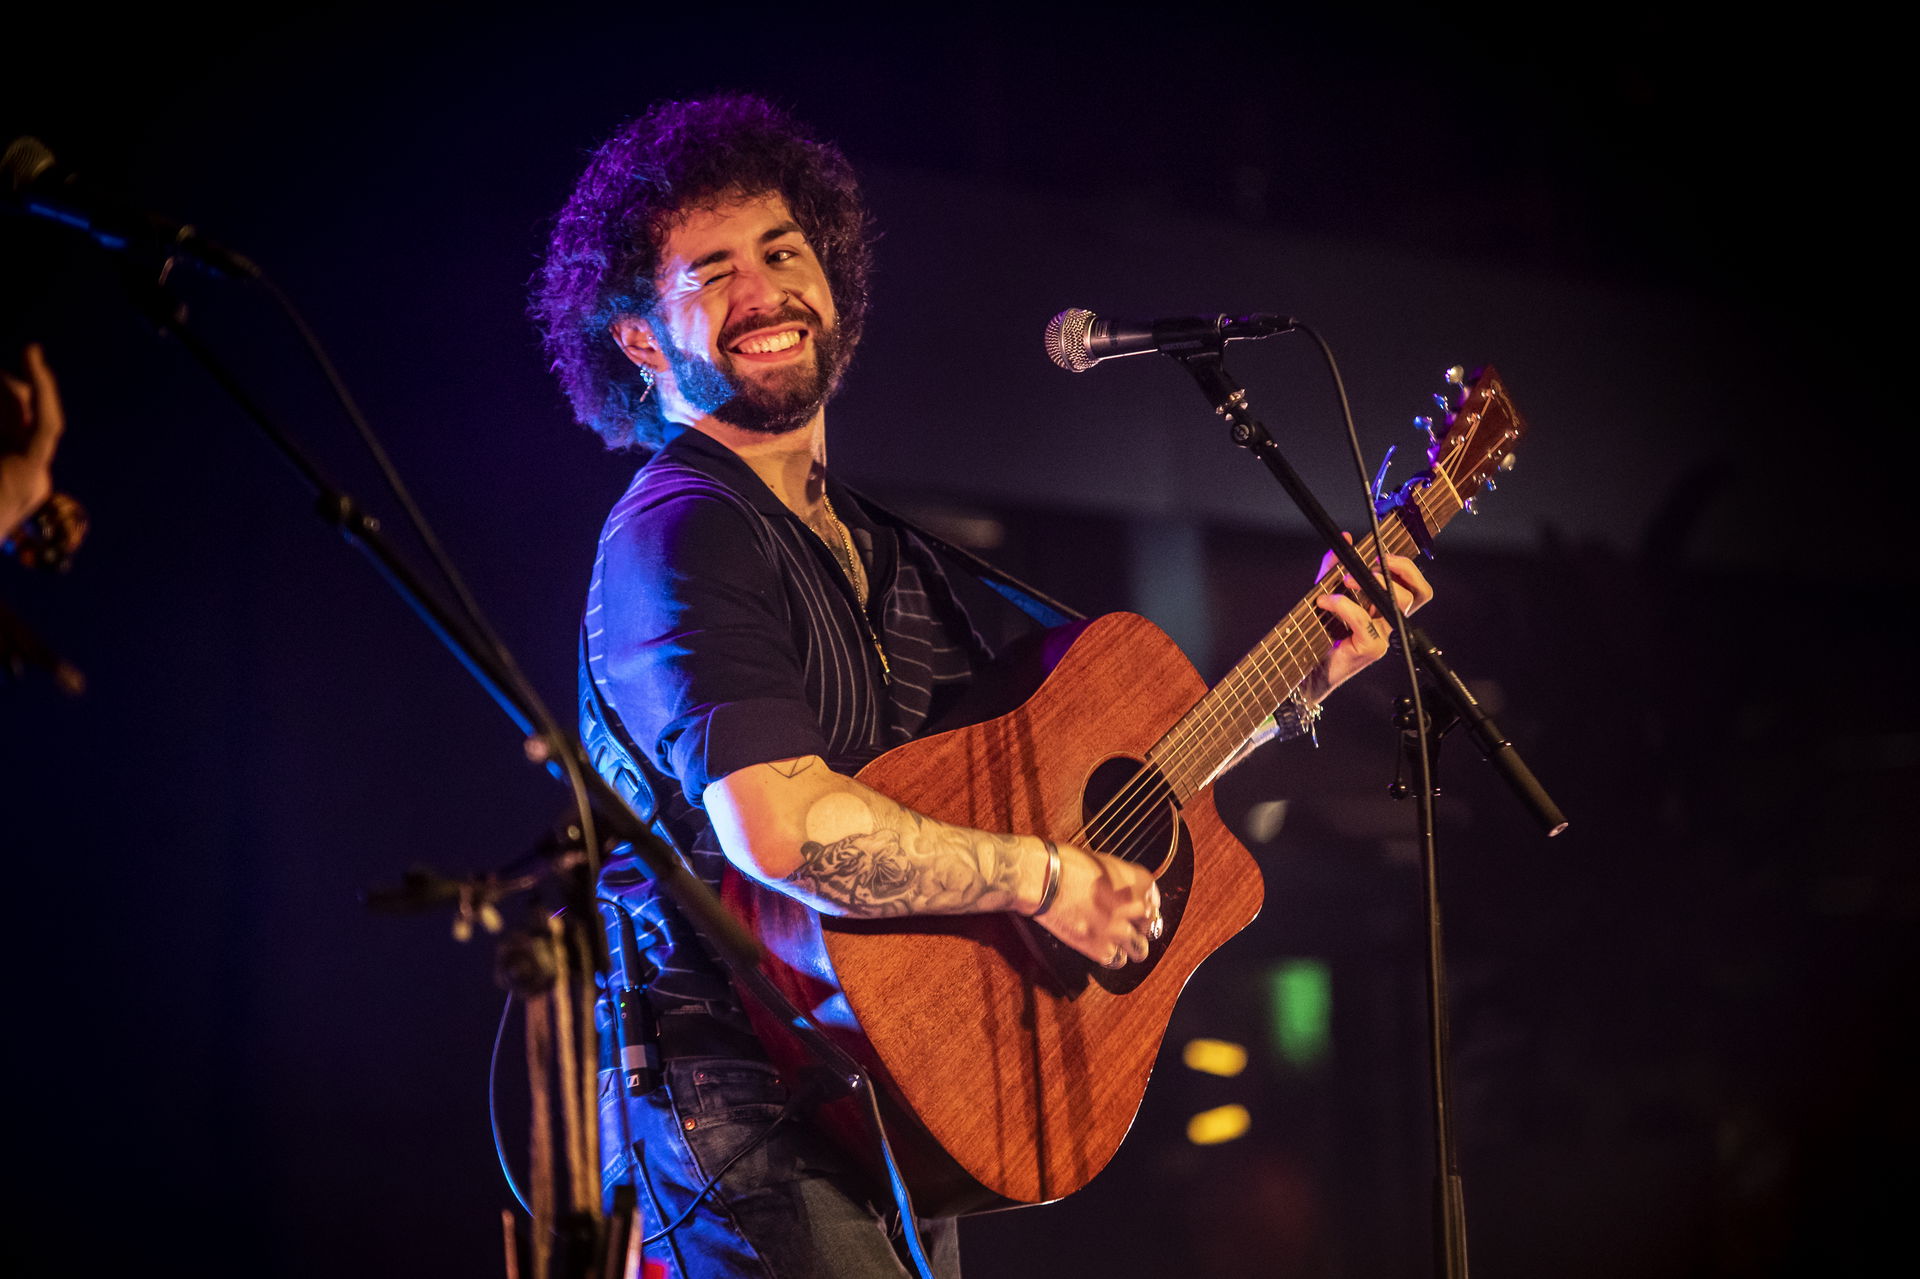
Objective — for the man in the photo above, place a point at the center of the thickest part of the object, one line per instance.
(755, 633)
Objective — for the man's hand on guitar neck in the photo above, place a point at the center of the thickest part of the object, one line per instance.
(1366, 639)
(843, 848)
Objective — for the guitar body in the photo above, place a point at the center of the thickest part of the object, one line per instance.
(1012, 1067)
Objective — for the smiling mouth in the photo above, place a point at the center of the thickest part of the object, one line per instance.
(770, 343)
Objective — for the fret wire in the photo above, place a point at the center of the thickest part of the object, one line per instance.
(1237, 703)
(1214, 727)
(1291, 649)
(1196, 732)
(1250, 668)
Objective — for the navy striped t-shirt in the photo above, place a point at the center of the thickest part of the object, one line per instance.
(720, 633)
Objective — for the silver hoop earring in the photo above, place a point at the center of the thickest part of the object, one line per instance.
(646, 379)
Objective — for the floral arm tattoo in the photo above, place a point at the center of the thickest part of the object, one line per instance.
(906, 864)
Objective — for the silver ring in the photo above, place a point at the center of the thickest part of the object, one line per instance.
(1158, 926)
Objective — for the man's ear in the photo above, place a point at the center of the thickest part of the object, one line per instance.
(635, 337)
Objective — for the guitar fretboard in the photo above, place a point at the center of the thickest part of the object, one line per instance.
(1206, 737)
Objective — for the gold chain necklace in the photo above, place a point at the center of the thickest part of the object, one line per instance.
(849, 562)
(856, 574)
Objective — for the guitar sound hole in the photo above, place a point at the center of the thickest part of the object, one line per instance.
(1129, 811)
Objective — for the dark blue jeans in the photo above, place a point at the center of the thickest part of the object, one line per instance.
(792, 1207)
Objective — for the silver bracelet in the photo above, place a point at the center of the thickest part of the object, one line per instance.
(1053, 880)
(1301, 719)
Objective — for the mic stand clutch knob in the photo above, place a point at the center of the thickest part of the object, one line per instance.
(1409, 741)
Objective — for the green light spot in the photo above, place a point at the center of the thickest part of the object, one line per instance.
(1300, 1002)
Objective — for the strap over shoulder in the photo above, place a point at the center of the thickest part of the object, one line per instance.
(1032, 601)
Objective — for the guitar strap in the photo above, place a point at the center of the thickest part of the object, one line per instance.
(1032, 601)
(605, 740)
(641, 785)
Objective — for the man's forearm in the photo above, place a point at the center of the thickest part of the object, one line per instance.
(906, 864)
(846, 849)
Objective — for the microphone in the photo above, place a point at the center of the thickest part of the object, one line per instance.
(1077, 340)
(33, 183)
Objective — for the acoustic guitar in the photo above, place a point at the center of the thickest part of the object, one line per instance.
(1009, 1066)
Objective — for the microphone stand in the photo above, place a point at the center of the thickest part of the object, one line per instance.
(1207, 365)
(588, 1241)
(546, 742)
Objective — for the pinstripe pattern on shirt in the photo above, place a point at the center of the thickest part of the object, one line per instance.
(635, 719)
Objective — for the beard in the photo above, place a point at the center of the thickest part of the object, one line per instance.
(781, 401)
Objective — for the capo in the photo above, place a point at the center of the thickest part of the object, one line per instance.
(1409, 511)
(1402, 501)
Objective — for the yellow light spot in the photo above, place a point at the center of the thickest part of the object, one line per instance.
(1214, 1057)
(1222, 1123)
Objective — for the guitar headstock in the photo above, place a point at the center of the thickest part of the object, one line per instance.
(1477, 435)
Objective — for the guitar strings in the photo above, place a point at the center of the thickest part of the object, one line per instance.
(1137, 804)
(1168, 751)
(1175, 751)
(1216, 731)
(1202, 731)
(1232, 703)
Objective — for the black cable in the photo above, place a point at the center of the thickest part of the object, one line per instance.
(1449, 1231)
(756, 985)
(785, 1113)
(568, 761)
(469, 606)
(1396, 618)
(503, 657)
(311, 341)
(493, 1108)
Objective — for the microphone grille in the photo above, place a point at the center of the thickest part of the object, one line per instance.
(1067, 335)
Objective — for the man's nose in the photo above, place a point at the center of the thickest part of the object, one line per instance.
(755, 289)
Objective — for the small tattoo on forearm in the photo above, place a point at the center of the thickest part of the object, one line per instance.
(791, 768)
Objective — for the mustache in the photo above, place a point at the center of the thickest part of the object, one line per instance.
(788, 314)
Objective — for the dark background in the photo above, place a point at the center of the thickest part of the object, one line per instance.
(1681, 1036)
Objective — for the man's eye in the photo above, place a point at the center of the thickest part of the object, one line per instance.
(781, 255)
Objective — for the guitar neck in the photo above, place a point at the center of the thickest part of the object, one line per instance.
(1206, 737)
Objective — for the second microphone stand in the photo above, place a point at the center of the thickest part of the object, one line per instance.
(1207, 365)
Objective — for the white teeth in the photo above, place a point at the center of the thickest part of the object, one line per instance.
(770, 344)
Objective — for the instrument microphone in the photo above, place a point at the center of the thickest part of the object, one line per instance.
(639, 1034)
(1077, 340)
(31, 182)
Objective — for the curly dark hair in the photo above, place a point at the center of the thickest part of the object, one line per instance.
(678, 158)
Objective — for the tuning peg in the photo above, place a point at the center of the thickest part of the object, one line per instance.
(1424, 423)
(1471, 505)
(1491, 486)
(1457, 376)
(1441, 398)
(1506, 463)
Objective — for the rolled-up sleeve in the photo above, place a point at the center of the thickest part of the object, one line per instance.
(701, 660)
